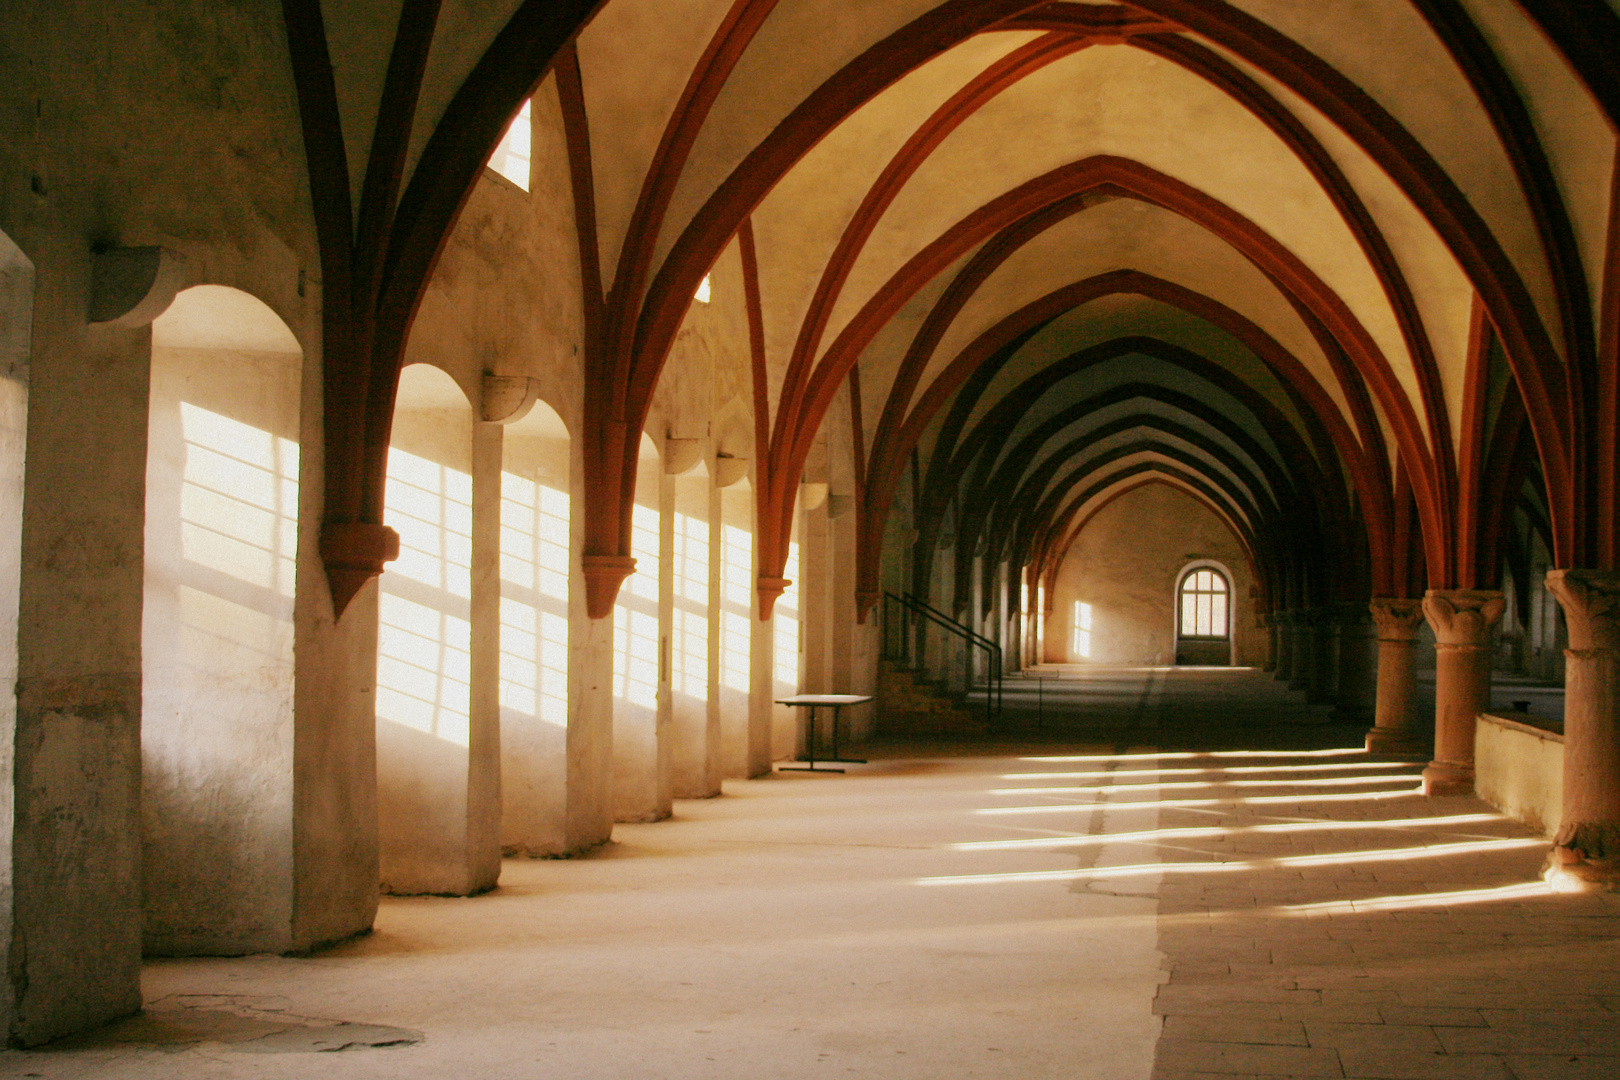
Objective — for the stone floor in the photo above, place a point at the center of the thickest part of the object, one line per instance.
(1150, 873)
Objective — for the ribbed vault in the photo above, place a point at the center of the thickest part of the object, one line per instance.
(1345, 266)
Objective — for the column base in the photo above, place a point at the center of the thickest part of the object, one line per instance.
(1391, 741)
(1448, 778)
(1568, 871)
(1585, 858)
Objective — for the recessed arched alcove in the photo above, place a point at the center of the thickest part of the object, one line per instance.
(787, 637)
(734, 617)
(536, 572)
(438, 781)
(694, 709)
(217, 628)
(641, 749)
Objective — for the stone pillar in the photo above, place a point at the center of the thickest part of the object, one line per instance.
(1586, 851)
(1463, 622)
(761, 690)
(1304, 651)
(1282, 636)
(1397, 621)
(1324, 674)
(1268, 622)
(1358, 675)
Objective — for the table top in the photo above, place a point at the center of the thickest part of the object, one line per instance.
(824, 699)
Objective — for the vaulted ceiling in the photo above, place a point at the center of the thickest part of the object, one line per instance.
(1263, 252)
(1336, 270)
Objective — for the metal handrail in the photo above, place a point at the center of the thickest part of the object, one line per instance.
(909, 605)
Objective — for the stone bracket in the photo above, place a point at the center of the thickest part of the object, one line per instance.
(507, 398)
(770, 588)
(354, 552)
(728, 470)
(681, 456)
(604, 574)
(131, 286)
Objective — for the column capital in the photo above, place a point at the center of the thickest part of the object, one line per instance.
(1591, 603)
(1463, 618)
(1397, 619)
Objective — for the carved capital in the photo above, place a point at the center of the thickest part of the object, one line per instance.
(1591, 603)
(1463, 618)
(603, 576)
(354, 552)
(1398, 620)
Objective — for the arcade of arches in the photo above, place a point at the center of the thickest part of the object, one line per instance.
(433, 430)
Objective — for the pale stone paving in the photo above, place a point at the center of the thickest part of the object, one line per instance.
(1423, 951)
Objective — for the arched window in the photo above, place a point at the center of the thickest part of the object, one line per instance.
(1204, 605)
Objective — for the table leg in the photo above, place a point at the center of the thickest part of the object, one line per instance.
(810, 746)
(847, 760)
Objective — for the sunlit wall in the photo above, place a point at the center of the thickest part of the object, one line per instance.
(695, 755)
(424, 644)
(535, 569)
(217, 626)
(735, 617)
(788, 656)
(640, 751)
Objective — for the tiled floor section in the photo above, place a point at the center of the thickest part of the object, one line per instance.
(1187, 874)
(1320, 918)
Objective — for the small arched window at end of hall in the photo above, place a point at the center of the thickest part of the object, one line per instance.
(511, 157)
(1204, 606)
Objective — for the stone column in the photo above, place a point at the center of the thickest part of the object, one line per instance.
(1398, 622)
(1304, 636)
(1282, 636)
(1324, 674)
(1357, 685)
(1463, 622)
(1586, 851)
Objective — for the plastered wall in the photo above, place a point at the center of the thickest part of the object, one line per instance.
(1126, 564)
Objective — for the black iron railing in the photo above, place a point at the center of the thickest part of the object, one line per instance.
(904, 615)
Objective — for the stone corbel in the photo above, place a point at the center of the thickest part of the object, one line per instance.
(131, 286)
(811, 496)
(354, 552)
(728, 470)
(769, 589)
(604, 574)
(508, 398)
(681, 456)
(839, 505)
